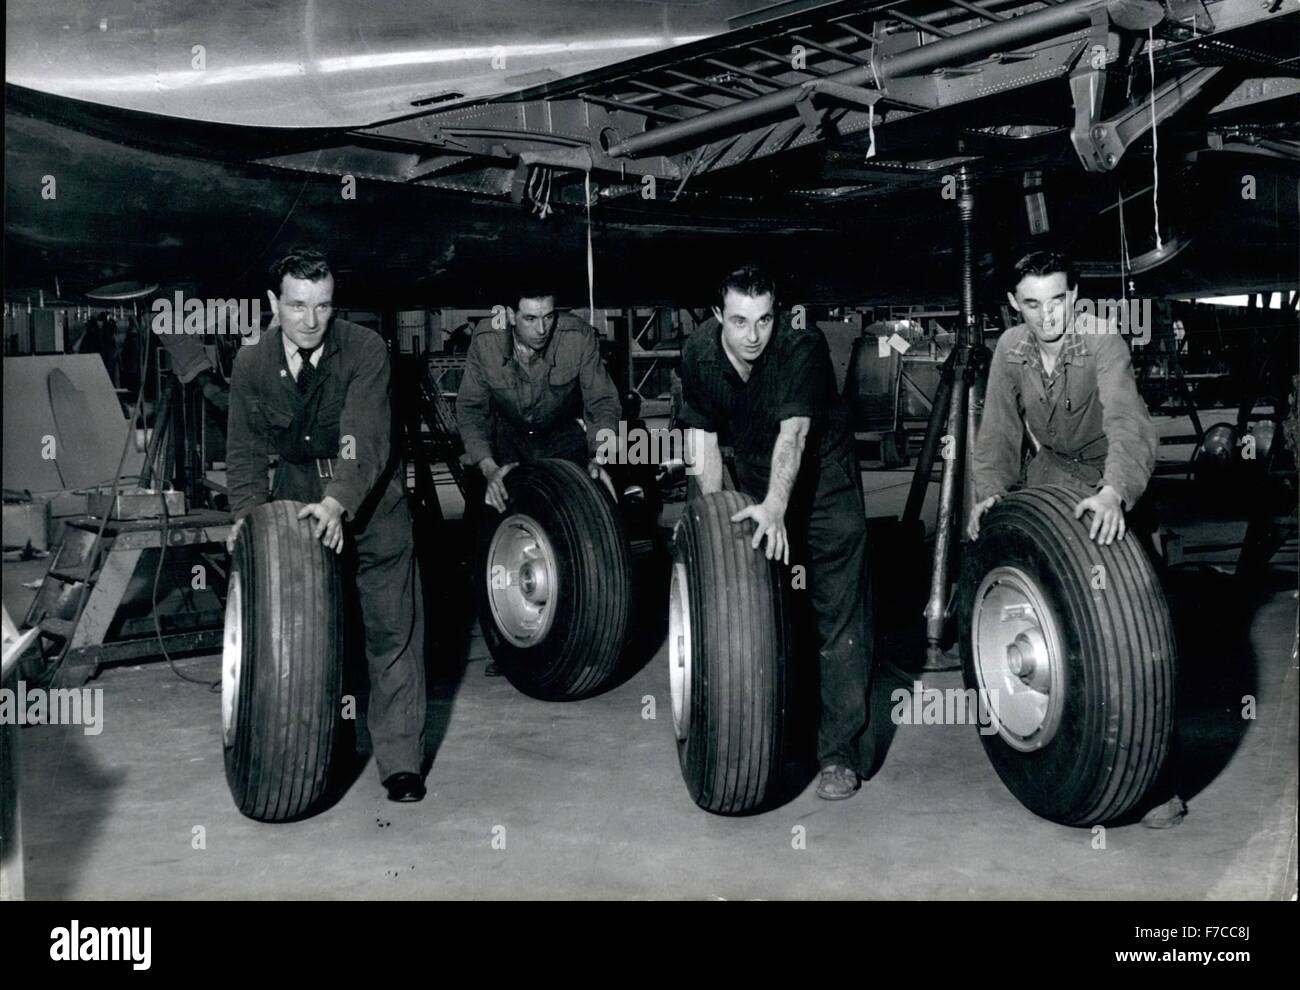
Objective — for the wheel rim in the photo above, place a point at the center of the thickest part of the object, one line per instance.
(521, 576)
(1019, 665)
(679, 650)
(232, 656)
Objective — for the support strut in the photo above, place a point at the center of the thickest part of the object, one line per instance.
(963, 379)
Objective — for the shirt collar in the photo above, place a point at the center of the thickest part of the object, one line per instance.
(718, 354)
(1025, 350)
(327, 346)
(548, 352)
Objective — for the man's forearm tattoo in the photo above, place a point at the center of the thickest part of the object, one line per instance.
(785, 466)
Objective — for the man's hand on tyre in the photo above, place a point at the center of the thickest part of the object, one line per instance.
(1107, 510)
(976, 513)
(770, 522)
(496, 495)
(598, 473)
(234, 535)
(328, 527)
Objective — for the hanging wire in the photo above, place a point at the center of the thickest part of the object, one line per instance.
(591, 262)
(1155, 140)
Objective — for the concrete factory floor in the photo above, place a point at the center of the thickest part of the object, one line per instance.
(529, 799)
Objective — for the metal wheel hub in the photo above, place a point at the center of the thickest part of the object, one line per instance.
(521, 576)
(679, 650)
(1019, 663)
(232, 656)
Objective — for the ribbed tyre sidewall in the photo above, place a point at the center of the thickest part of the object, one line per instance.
(732, 755)
(291, 680)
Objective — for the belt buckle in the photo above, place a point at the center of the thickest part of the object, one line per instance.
(325, 469)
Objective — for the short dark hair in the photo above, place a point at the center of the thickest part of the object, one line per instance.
(748, 280)
(300, 262)
(534, 290)
(1040, 263)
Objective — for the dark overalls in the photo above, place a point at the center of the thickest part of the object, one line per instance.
(825, 516)
(337, 440)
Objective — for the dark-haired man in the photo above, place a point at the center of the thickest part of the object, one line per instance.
(769, 392)
(1066, 382)
(315, 390)
(529, 375)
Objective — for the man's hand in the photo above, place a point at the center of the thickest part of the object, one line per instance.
(598, 473)
(496, 494)
(1107, 510)
(976, 513)
(234, 535)
(328, 513)
(771, 523)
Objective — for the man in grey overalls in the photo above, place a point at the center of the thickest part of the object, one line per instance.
(315, 390)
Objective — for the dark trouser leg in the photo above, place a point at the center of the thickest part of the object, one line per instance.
(388, 585)
(837, 584)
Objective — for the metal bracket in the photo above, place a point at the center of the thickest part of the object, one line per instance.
(1088, 89)
(856, 97)
(853, 96)
(1102, 143)
(1185, 18)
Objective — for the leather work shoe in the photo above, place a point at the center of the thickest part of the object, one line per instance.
(1166, 815)
(404, 787)
(837, 783)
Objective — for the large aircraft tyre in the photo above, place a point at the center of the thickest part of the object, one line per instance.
(728, 642)
(281, 665)
(554, 582)
(1071, 649)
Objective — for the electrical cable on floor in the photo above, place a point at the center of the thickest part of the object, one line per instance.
(1155, 140)
(153, 601)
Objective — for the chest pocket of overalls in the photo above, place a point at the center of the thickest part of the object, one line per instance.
(282, 431)
(509, 397)
(279, 419)
(564, 387)
(1079, 391)
(322, 429)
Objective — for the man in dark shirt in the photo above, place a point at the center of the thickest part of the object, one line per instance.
(529, 375)
(770, 393)
(315, 390)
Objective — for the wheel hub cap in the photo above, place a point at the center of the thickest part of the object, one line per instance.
(1019, 666)
(232, 655)
(679, 650)
(521, 579)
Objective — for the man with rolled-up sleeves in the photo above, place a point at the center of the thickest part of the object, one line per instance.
(315, 390)
(768, 390)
